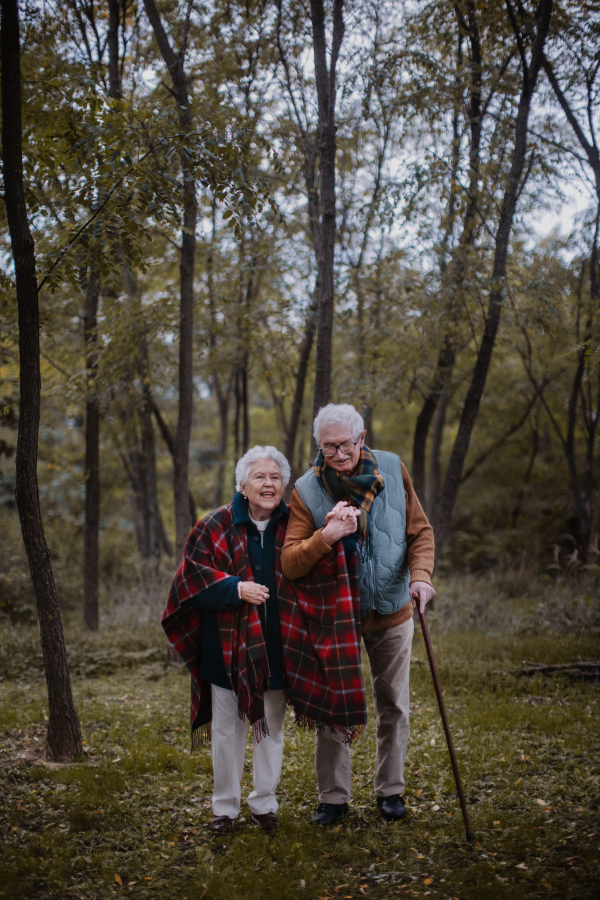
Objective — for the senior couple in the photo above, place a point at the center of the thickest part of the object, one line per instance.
(268, 607)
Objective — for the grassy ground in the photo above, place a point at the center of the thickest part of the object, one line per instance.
(131, 818)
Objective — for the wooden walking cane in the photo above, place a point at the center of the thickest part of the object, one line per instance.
(440, 699)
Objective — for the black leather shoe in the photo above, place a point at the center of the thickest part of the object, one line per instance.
(330, 813)
(392, 807)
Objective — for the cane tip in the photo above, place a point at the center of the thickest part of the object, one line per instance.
(470, 836)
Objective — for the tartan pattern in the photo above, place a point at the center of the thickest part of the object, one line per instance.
(216, 549)
(320, 632)
(360, 489)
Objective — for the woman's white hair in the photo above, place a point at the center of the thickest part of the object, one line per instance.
(242, 470)
(338, 414)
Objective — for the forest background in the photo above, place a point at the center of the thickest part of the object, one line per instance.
(241, 211)
(203, 198)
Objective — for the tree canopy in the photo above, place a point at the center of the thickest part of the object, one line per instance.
(243, 209)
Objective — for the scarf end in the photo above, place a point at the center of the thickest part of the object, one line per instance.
(201, 736)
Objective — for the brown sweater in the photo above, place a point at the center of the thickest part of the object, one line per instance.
(304, 546)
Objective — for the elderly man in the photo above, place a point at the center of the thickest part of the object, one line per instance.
(352, 489)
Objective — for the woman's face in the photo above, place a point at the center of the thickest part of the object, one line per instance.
(263, 488)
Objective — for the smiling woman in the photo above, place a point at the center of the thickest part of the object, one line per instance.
(222, 617)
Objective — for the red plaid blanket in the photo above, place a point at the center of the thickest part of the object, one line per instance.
(320, 632)
(216, 549)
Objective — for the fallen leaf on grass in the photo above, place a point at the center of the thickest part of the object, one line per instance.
(164, 855)
(302, 883)
(340, 886)
(118, 880)
(541, 802)
(427, 881)
(435, 808)
(521, 866)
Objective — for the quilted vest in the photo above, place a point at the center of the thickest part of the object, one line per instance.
(385, 577)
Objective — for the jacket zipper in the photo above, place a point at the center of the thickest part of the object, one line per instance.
(372, 582)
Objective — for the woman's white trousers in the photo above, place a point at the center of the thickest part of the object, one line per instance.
(229, 735)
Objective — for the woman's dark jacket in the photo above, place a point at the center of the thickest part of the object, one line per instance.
(224, 595)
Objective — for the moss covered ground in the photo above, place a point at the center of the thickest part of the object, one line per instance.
(131, 818)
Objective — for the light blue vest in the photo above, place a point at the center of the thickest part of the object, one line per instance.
(385, 577)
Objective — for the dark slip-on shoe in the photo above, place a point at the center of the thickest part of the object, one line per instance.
(267, 821)
(392, 807)
(330, 813)
(222, 825)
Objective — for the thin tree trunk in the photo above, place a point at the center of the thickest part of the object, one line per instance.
(443, 374)
(181, 449)
(153, 523)
(535, 446)
(301, 373)
(112, 41)
(167, 437)
(92, 460)
(245, 408)
(326, 93)
(446, 358)
(155, 532)
(223, 398)
(484, 357)
(433, 475)
(63, 740)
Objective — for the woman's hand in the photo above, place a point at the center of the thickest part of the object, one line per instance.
(253, 593)
(340, 522)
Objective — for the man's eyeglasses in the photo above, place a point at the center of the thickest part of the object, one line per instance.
(346, 447)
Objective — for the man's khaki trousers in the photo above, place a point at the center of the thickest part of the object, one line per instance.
(389, 655)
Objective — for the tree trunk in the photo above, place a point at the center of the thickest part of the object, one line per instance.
(149, 486)
(310, 326)
(63, 740)
(484, 357)
(153, 524)
(223, 398)
(433, 475)
(441, 382)
(170, 442)
(92, 460)
(326, 92)
(181, 446)
(452, 280)
(535, 446)
(112, 41)
(301, 373)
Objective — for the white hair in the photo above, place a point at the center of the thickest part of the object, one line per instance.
(338, 414)
(242, 470)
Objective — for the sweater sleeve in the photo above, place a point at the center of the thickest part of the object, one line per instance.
(419, 534)
(221, 595)
(304, 546)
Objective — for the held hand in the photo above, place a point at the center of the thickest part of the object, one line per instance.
(253, 593)
(421, 593)
(341, 521)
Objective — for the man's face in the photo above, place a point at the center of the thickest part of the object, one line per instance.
(344, 462)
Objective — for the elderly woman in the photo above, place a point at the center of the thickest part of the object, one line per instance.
(222, 617)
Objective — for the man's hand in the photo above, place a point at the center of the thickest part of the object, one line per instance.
(421, 593)
(340, 522)
(253, 593)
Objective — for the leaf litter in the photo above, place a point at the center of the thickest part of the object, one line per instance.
(131, 817)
